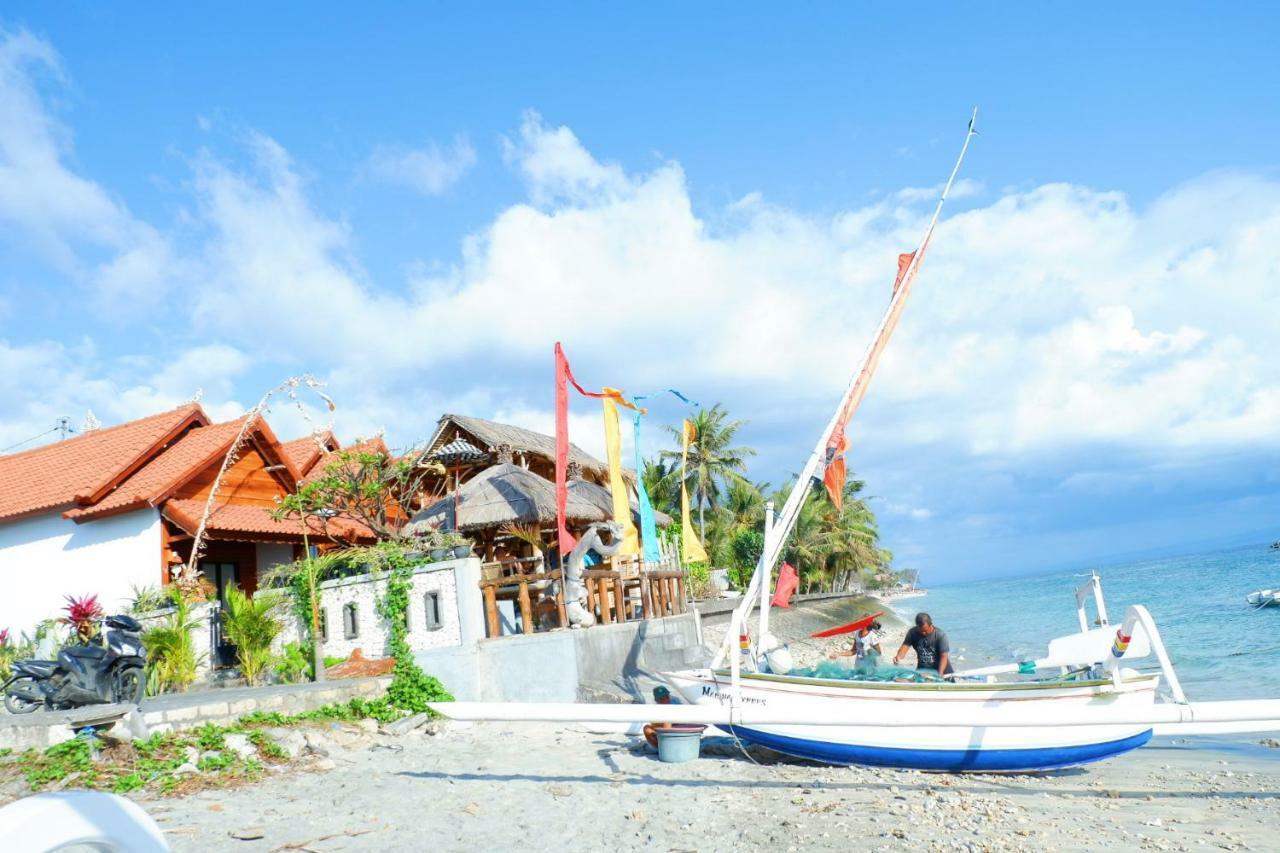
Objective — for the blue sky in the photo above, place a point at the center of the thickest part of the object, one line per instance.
(414, 203)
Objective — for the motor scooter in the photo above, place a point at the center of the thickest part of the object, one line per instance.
(109, 668)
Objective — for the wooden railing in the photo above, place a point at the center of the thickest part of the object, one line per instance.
(626, 591)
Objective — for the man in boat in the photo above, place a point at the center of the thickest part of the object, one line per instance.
(932, 649)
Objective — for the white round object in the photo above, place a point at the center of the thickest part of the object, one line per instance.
(780, 660)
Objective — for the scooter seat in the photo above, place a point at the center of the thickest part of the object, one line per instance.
(38, 668)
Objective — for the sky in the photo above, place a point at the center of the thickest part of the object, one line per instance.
(414, 202)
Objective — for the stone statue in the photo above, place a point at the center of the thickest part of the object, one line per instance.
(575, 591)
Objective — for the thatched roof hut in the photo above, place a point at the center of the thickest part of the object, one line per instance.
(505, 494)
(602, 498)
(532, 450)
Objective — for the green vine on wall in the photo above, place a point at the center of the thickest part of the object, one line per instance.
(411, 688)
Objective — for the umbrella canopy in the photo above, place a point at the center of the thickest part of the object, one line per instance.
(601, 498)
(504, 494)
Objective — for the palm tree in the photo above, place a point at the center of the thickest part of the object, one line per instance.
(714, 463)
(660, 483)
(831, 548)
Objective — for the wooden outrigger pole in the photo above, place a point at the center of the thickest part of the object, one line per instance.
(776, 536)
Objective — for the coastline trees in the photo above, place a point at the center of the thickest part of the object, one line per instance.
(831, 550)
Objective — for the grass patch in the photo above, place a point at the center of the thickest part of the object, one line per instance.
(152, 764)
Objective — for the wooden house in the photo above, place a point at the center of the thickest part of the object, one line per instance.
(117, 509)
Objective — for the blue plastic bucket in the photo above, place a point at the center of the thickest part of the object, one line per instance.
(679, 743)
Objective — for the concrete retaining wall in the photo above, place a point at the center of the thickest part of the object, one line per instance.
(568, 665)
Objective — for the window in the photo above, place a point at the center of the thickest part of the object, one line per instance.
(350, 621)
(431, 605)
(324, 624)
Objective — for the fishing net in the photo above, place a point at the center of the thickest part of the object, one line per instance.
(835, 670)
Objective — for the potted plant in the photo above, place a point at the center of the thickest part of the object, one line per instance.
(458, 544)
(431, 542)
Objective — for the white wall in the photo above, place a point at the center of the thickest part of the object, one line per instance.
(365, 591)
(47, 557)
(272, 554)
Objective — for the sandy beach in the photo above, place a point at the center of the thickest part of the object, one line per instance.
(503, 786)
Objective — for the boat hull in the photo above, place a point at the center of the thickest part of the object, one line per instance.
(977, 759)
(941, 748)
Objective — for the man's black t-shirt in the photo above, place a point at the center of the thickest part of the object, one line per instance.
(929, 649)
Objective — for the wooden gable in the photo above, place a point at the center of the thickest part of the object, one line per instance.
(253, 480)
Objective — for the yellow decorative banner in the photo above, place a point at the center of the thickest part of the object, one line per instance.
(693, 550)
(617, 485)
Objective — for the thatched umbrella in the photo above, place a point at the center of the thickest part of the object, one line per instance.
(504, 494)
(602, 498)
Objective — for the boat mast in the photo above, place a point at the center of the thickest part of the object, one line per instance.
(785, 521)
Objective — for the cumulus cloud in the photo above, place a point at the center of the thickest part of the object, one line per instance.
(1054, 316)
(430, 170)
(43, 381)
(1059, 335)
(49, 209)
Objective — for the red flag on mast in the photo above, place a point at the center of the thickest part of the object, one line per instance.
(833, 476)
(564, 378)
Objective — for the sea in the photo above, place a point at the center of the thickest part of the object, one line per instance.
(1221, 647)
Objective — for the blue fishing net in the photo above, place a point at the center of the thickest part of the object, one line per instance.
(843, 672)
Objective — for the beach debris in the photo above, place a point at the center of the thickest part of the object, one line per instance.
(472, 809)
(404, 725)
(249, 833)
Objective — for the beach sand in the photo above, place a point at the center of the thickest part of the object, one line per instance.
(503, 786)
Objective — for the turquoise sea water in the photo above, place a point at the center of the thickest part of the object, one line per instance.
(1221, 647)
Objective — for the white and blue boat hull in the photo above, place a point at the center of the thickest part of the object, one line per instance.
(1007, 748)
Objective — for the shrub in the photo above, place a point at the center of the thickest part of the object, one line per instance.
(294, 664)
(698, 579)
(172, 661)
(147, 599)
(83, 614)
(252, 625)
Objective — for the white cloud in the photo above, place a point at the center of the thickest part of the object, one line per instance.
(430, 170)
(557, 166)
(46, 380)
(48, 209)
(1054, 316)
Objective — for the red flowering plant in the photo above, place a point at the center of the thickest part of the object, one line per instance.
(82, 615)
(4, 637)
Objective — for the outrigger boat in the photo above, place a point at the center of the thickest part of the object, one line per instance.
(1082, 702)
(1263, 597)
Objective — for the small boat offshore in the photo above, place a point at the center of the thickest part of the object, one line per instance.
(1263, 597)
(1085, 701)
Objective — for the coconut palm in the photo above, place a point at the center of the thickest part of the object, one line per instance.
(831, 548)
(714, 462)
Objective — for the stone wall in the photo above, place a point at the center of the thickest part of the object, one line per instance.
(363, 592)
(457, 607)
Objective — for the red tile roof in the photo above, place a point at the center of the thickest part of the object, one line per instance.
(79, 470)
(305, 452)
(369, 445)
(256, 524)
(190, 454)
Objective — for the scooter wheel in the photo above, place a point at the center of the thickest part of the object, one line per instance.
(16, 704)
(131, 685)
